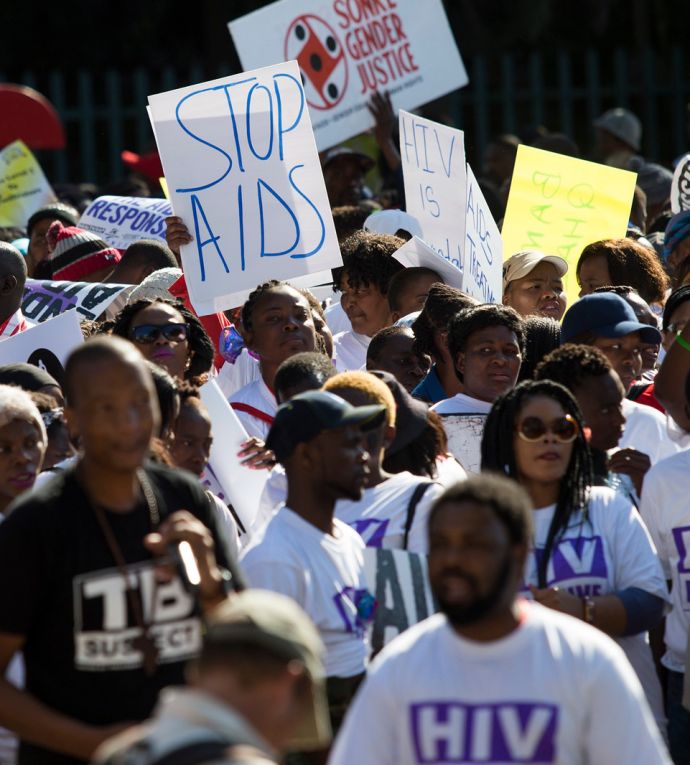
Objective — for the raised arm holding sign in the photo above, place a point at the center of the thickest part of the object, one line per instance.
(244, 174)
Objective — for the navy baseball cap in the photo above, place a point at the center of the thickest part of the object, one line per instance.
(604, 314)
(309, 414)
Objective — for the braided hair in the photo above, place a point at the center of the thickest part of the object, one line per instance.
(200, 347)
(254, 297)
(498, 455)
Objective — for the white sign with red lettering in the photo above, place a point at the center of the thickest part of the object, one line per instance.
(348, 49)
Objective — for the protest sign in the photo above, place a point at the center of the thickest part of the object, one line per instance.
(399, 580)
(120, 221)
(560, 204)
(241, 487)
(433, 163)
(164, 186)
(680, 186)
(347, 49)
(464, 433)
(244, 174)
(417, 253)
(23, 186)
(43, 300)
(46, 345)
(483, 264)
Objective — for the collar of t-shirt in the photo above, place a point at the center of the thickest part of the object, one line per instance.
(461, 403)
(511, 643)
(191, 707)
(430, 388)
(309, 531)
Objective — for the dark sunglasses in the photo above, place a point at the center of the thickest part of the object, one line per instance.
(149, 333)
(564, 429)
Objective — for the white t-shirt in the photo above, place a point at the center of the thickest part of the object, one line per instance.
(666, 511)
(256, 406)
(324, 573)
(463, 419)
(350, 351)
(380, 515)
(272, 497)
(645, 430)
(449, 471)
(336, 318)
(231, 377)
(227, 526)
(553, 691)
(610, 553)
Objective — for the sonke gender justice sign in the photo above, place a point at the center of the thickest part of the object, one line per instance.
(347, 49)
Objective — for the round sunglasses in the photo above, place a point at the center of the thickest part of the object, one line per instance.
(149, 333)
(565, 429)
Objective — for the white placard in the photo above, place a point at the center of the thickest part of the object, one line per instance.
(464, 433)
(418, 253)
(347, 49)
(680, 187)
(399, 580)
(483, 265)
(433, 162)
(120, 221)
(43, 300)
(241, 486)
(46, 345)
(244, 174)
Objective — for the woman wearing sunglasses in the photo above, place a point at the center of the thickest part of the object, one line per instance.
(168, 334)
(592, 557)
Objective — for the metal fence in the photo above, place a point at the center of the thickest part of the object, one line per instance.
(104, 113)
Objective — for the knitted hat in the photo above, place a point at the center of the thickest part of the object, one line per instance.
(76, 253)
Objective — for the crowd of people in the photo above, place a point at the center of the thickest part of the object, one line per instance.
(533, 452)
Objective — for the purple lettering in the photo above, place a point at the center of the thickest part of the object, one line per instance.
(455, 732)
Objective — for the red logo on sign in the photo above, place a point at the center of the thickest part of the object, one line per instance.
(321, 58)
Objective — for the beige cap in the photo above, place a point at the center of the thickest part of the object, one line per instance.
(278, 624)
(522, 263)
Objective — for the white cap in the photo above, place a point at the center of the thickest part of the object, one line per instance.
(524, 262)
(155, 285)
(390, 221)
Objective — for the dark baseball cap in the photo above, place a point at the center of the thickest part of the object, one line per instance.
(604, 314)
(304, 417)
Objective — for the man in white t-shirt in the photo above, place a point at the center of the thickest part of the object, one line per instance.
(666, 511)
(486, 342)
(493, 679)
(305, 553)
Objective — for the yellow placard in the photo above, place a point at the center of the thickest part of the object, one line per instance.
(560, 204)
(23, 186)
(164, 186)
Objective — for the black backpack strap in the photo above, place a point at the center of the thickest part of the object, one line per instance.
(194, 754)
(417, 494)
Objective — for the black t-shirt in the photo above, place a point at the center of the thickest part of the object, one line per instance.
(62, 590)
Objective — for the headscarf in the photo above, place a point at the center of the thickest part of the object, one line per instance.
(677, 229)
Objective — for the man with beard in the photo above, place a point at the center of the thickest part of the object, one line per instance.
(492, 678)
(307, 554)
